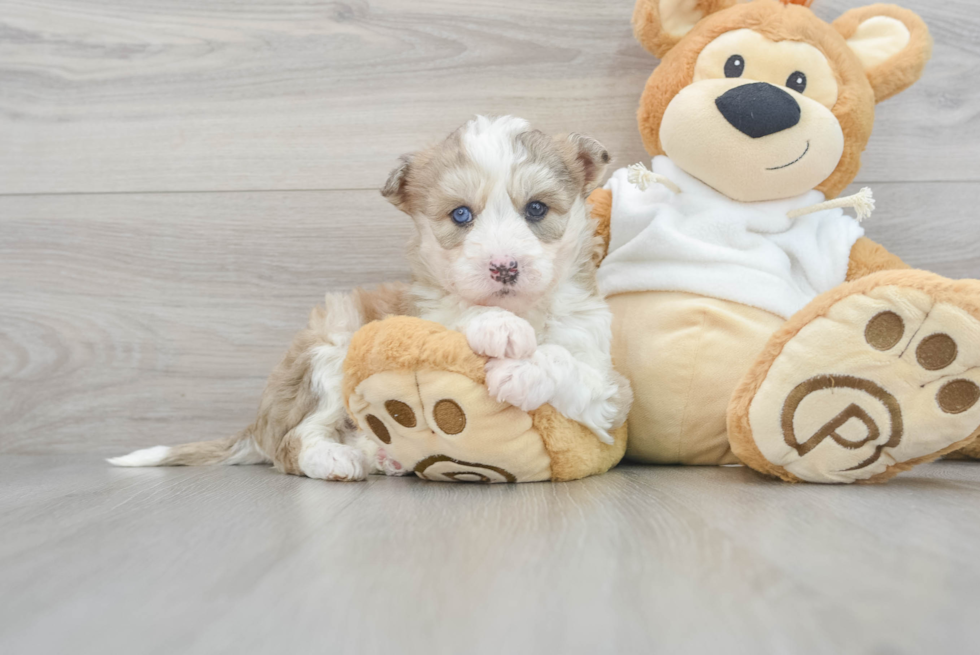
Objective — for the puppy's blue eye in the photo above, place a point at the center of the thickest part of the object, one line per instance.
(535, 211)
(461, 215)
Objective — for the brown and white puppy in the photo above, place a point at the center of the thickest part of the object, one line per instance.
(504, 253)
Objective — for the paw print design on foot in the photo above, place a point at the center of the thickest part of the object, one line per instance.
(421, 391)
(868, 381)
(420, 418)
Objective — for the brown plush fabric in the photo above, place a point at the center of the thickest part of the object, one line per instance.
(969, 452)
(649, 30)
(964, 294)
(575, 451)
(904, 69)
(404, 343)
(868, 257)
(601, 201)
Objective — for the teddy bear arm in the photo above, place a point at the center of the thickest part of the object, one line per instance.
(868, 257)
(601, 203)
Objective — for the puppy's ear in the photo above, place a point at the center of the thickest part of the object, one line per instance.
(587, 159)
(659, 24)
(892, 44)
(394, 189)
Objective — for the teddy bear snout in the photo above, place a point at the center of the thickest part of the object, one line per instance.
(759, 109)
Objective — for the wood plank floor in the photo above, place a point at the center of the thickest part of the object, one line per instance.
(642, 560)
(180, 181)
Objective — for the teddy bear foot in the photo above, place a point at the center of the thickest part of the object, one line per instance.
(869, 380)
(443, 426)
(420, 390)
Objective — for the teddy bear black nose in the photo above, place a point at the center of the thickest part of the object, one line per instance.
(759, 109)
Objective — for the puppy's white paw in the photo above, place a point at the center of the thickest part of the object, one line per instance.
(519, 382)
(601, 434)
(389, 466)
(501, 334)
(329, 460)
(599, 416)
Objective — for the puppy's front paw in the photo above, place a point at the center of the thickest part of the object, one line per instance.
(501, 334)
(519, 382)
(329, 460)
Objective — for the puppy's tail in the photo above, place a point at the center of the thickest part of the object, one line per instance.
(240, 449)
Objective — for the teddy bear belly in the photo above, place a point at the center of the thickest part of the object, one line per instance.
(684, 355)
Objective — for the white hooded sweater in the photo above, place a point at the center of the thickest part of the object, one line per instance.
(703, 242)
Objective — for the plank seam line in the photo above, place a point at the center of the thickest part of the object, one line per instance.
(345, 189)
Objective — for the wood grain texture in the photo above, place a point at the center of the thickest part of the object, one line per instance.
(136, 319)
(179, 95)
(933, 226)
(641, 560)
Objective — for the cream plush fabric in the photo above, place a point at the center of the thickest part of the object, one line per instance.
(900, 414)
(489, 441)
(421, 390)
(686, 353)
(702, 242)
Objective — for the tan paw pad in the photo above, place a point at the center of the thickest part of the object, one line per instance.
(882, 378)
(446, 427)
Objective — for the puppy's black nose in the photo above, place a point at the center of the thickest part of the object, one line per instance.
(504, 272)
(759, 109)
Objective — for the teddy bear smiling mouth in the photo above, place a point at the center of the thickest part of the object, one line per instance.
(776, 168)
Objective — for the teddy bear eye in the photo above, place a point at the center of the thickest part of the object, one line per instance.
(797, 82)
(735, 66)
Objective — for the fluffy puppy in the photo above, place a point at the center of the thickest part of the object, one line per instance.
(503, 253)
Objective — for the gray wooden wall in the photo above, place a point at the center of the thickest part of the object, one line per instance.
(180, 181)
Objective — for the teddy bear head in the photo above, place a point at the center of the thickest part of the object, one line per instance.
(763, 100)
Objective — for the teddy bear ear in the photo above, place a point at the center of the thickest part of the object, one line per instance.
(892, 44)
(660, 24)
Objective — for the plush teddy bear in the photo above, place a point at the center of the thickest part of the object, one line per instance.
(754, 320)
